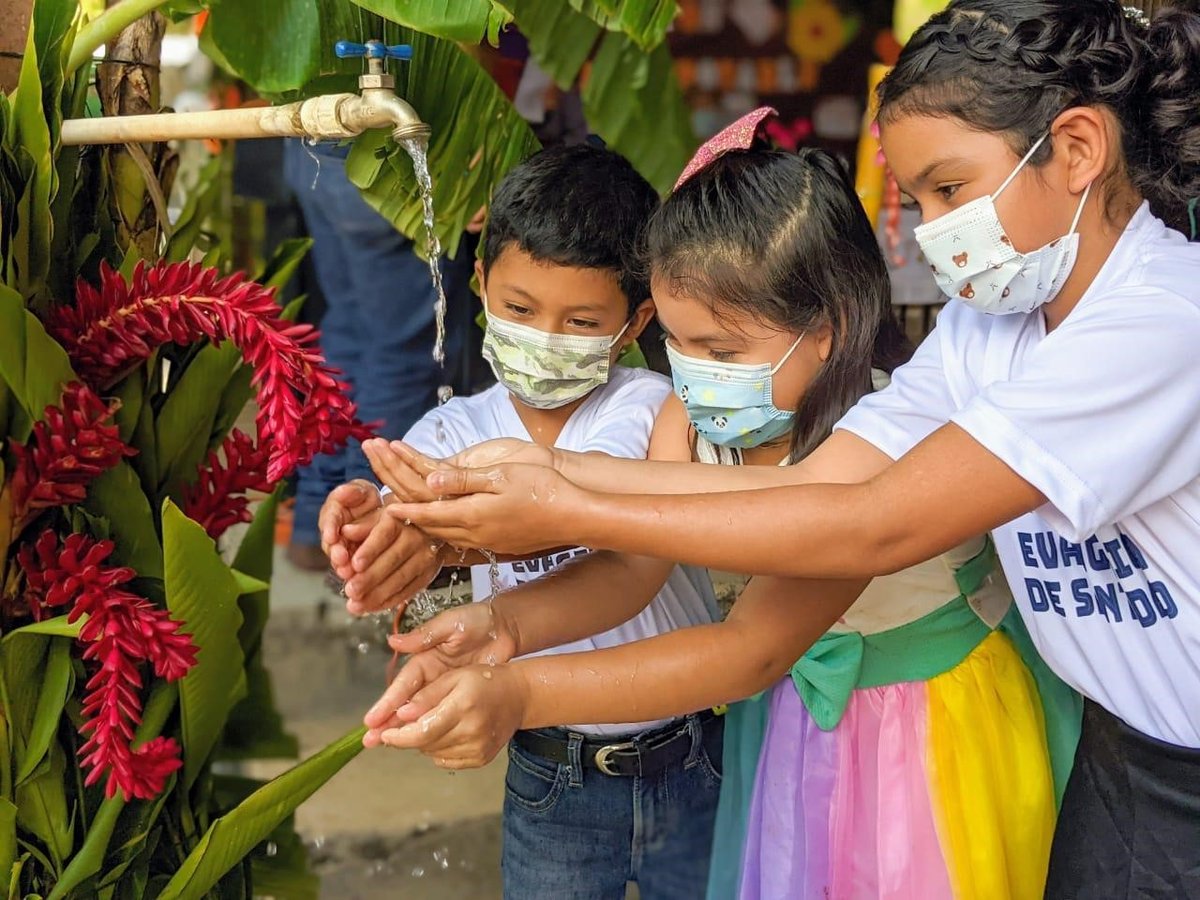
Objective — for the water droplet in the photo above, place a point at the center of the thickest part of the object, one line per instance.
(272, 849)
(460, 626)
(418, 872)
(491, 661)
(363, 648)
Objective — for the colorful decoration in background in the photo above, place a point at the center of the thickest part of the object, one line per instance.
(817, 32)
(789, 135)
(806, 58)
(869, 169)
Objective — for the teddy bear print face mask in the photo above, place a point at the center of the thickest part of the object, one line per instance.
(974, 261)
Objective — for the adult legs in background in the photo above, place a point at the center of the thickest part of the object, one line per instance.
(378, 327)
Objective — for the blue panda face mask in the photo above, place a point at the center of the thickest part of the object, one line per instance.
(730, 403)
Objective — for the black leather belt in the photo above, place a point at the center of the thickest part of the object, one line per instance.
(645, 756)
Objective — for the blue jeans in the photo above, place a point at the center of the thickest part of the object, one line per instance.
(576, 834)
(378, 327)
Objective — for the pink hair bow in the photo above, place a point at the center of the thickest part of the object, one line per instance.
(736, 136)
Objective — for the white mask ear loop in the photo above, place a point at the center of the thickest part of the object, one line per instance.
(1013, 174)
(787, 356)
(1079, 212)
(620, 334)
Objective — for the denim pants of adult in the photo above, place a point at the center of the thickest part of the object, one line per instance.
(572, 833)
(378, 327)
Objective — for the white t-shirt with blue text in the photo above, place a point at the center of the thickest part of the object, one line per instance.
(616, 419)
(1102, 415)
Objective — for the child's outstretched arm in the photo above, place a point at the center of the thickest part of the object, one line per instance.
(656, 475)
(587, 596)
(465, 716)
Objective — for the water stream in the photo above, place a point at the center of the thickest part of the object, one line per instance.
(418, 148)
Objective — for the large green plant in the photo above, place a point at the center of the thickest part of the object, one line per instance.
(110, 492)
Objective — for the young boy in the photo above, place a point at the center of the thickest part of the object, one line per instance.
(586, 808)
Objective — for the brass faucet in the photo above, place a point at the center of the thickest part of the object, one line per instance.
(376, 105)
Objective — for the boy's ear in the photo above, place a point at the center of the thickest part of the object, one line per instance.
(637, 322)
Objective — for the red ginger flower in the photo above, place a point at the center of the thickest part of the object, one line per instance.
(122, 631)
(218, 497)
(75, 442)
(302, 406)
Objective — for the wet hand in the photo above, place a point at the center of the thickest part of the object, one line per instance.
(502, 450)
(474, 634)
(346, 503)
(472, 714)
(510, 508)
(402, 469)
(393, 563)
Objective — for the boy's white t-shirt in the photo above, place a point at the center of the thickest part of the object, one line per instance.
(1102, 415)
(616, 418)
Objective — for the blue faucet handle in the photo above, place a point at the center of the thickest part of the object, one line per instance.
(372, 50)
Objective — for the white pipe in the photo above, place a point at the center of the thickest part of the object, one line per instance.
(328, 117)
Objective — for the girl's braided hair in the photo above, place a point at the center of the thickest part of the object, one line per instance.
(1011, 66)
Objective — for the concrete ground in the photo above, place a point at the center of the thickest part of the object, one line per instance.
(391, 823)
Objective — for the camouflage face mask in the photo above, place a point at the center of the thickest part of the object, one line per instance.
(545, 370)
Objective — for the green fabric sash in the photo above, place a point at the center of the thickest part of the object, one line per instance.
(919, 650)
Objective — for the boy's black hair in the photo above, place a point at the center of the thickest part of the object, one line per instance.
(580, 206)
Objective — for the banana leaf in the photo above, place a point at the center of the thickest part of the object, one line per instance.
(236, 833)
(255, 729)
(202, 594)
(646, 21)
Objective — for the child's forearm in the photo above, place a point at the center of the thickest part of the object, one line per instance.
(843, 457)
(587, 596)
(690, 669)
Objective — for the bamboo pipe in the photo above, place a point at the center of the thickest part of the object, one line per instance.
(327, 117)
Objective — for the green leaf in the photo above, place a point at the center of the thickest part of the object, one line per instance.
(53, 36)
(117, 496)
(42, 807)
(201, 202)
(273, 44)
(131, 393)
(202, 594)
(464, 21)
(645, 21)
(56, 684)
(255, 555)
(90, 856)
(248, 585)
(31, 134)
(21, 666)
(560, 39)
(56, 627)
(233, 400)
(8, 837)
(255, 729)
(34, 365)
(283, 264)
(185, 422)
(233, 835)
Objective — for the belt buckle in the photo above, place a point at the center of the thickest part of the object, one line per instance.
(608, 750)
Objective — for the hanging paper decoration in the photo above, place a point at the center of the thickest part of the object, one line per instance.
(817, 32)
